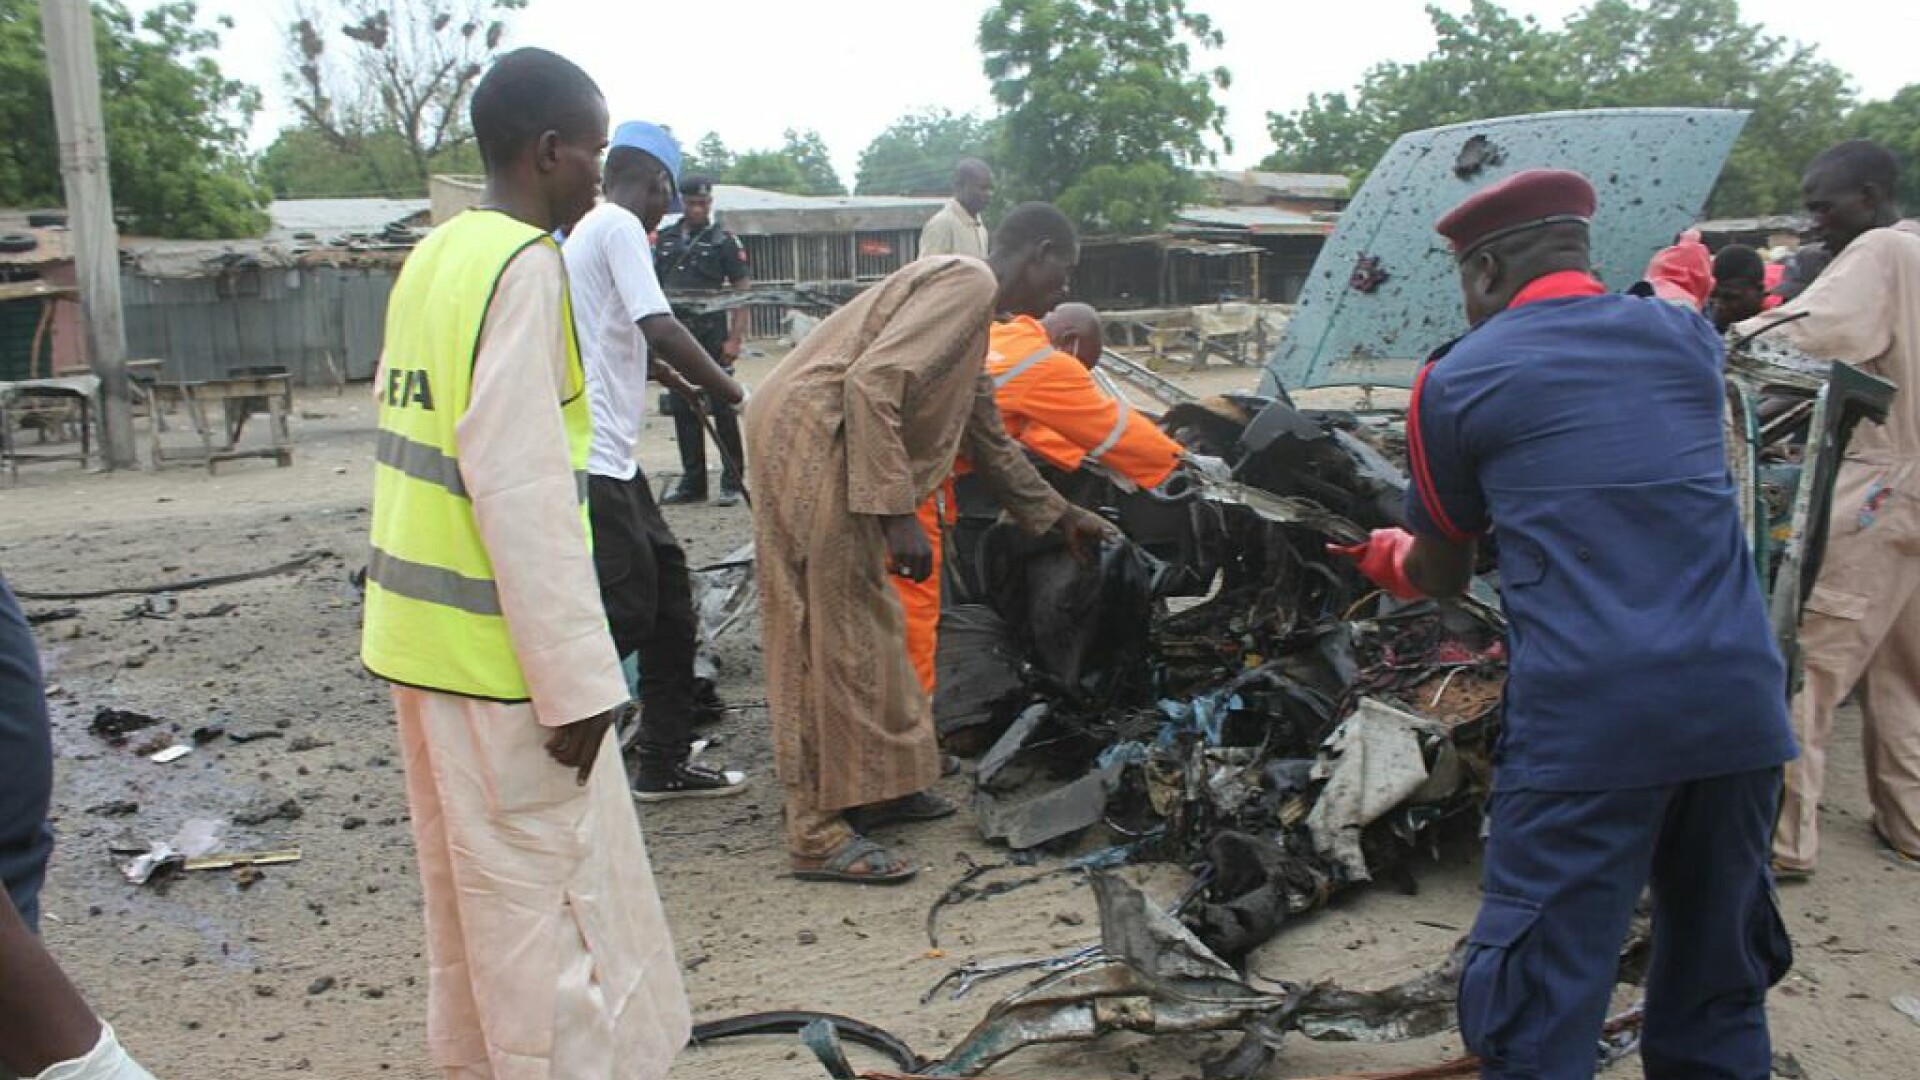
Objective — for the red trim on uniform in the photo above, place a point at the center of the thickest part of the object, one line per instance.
(1558, 286)
(1422, 475)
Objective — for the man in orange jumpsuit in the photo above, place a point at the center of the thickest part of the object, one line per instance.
(1056, 405)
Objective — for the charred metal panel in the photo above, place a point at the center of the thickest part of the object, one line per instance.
(1383, 293)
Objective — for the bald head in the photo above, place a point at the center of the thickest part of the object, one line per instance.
(1075, 328)
(973, 185)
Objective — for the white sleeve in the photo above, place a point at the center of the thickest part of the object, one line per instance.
(106, 1061)
(630, 263)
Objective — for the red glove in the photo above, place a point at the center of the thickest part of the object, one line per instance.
(1383, 559)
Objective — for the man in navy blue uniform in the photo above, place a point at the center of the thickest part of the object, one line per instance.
(1645, 720)
(26, 763)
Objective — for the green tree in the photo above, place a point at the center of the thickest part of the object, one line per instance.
(1895, 124)
(1104, 111)
(370, 76)
(915, 155)
(769, 170)
(305, 164)
(801, 166)
(1488, 62)
(176, 126)
(808, 152)
(708, 157)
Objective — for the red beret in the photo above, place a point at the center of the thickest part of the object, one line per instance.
(1522, 201)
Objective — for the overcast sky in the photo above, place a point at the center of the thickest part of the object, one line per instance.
(748, 69)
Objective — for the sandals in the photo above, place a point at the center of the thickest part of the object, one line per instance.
(1784, 874)
(920, 806)
(840, 866)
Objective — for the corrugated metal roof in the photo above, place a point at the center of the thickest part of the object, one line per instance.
(325, 219)
(1315, 185)
(1258, 220)
(738, 198)
(753, 211)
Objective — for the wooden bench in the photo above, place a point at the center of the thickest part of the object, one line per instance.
(234, 399)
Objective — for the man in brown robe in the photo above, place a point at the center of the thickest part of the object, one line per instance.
(845, 439)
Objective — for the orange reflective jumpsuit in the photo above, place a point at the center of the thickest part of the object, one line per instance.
(1061, 411)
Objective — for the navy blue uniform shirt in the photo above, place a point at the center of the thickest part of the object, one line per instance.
(1586, 431)
(708, 258)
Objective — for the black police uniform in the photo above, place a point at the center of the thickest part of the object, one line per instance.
(703, 259)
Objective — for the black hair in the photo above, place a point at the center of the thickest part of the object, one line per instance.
(966, 166)
(525, 94)
(623, 161)
(1030, 223)
(1738, 262)
(1859, 162)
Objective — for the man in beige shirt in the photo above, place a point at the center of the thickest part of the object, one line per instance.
(957, 228)
(1861, 629)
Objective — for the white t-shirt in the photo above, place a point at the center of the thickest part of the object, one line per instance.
(610, 270)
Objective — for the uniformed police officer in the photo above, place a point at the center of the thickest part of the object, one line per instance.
(697, 253)
(1645, 721)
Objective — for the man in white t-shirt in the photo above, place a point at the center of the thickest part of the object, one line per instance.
(626, 327)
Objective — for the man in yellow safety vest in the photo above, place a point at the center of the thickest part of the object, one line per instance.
(548, 952)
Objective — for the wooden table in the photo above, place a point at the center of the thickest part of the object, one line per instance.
(44, 397)
(237, 398)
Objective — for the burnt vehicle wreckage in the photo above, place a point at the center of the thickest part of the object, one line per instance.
(1219, 693)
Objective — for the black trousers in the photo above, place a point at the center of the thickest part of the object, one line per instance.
(26, 763)
(648, 594)
(692, 436)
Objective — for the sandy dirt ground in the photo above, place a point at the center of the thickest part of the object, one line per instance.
(316, 967)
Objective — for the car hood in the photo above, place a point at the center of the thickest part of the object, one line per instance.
(1384, 294)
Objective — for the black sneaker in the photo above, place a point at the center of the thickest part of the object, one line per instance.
(685, 780)
(683, 492)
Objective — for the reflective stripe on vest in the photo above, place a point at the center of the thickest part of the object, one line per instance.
(1020, 368)
(1121, 416)
(433, 611)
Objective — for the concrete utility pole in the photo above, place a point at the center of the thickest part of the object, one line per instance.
(74, 71)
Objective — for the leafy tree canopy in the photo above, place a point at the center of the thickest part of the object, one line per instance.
(1104, 110)
(916, 154)
(176, 126)
(1614, 53)
(801, 166)
(1895, 124)
(306, 164)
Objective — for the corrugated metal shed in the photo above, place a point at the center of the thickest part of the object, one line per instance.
(319, 323)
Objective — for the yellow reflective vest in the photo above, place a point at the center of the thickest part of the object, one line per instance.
(433, 617)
